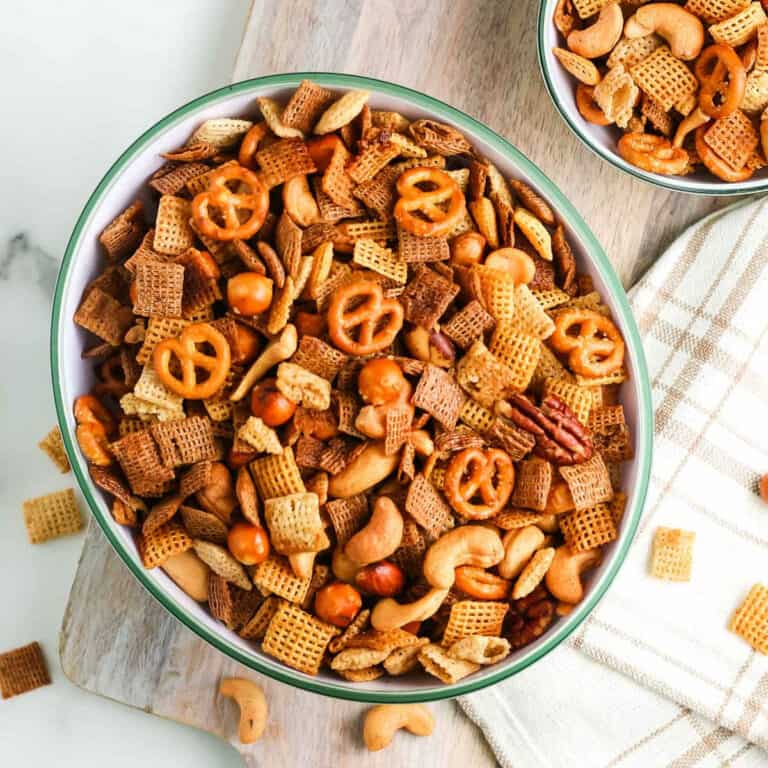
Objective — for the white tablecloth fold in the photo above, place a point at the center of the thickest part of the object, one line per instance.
(691, 692)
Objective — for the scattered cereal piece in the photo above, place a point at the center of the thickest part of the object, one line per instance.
(672, 555)
(51, 516)
(22, 670)
(750, 620)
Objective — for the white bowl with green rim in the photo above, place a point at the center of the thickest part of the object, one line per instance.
(602, 140)
(72, 376)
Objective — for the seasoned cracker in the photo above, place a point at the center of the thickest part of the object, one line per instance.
(672, 554)
(51, 516)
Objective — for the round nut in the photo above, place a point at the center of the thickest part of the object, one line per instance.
(384, 579)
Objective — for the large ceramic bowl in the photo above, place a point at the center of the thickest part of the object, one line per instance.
(602, 139)
(72, 376)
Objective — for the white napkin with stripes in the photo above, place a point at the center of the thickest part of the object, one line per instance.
(653, 677)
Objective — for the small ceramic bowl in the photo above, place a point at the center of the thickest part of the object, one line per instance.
(602, 139)
(72, 376)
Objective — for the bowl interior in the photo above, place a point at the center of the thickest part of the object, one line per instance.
(602, 139)
(72, 377)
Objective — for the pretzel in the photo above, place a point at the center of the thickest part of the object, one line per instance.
(653, 153)
(714, 163)
(597, 350)
(482, 468)
(588, 108)
(228, 205)
(343, 316)
(723, 79)
(184, 349)
(250, 145)
(436, 221)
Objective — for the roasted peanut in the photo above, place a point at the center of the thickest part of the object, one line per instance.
(338, 603)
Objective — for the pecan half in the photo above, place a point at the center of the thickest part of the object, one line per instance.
(560, 437)
(529, 617)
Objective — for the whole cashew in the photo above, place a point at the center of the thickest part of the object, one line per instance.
(302, 564)
(563, 578)
(695, 120)
(278, 350)
(253, 707)
(421, 442)
(680, 28)
(599, 38)
(519, 546)
(381, 535)
(369, 468)
(190, 573)
(389, 614)
(343, 568)
(465, 545)
(384, 720)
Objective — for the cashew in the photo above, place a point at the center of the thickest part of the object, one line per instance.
(218, 497)
(695, 120)
(563, 578)
(381, 535)
(253, 707)
(302, 564)
(680, 28)
(382, 721)
(599, 38)
(466, 545)
(298, 201)
(343, 568)
(190, 573)
(548, 523)
(389, 614)
(421, 442)
(278, 350)
(519, 546)
(369, 468)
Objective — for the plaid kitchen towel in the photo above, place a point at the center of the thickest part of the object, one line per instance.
(653, 677)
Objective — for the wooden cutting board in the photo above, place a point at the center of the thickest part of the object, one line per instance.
(480, 56)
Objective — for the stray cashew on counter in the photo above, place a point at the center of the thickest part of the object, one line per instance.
(383, 721)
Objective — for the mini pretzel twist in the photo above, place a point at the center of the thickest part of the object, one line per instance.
(595, 349)
(441, 207)
(190, 358)
(487, 473)
(227, 205)
(346, 313)
(723, 79)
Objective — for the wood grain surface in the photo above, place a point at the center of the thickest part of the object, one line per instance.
(479, 56)
(118, 642)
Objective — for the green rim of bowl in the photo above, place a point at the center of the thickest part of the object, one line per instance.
(572, 218)
(673, 183)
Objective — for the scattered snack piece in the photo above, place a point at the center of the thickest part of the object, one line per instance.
(253, 707)
(763, 488)
(51, 516)
(750, 620)
(676, 68)
(345, 337)
(672, 555)
(384, 720)
(22, 670)
(53, 446)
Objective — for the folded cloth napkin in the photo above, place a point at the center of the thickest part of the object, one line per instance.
(691, 692)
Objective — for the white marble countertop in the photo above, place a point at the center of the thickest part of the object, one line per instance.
(80, 80)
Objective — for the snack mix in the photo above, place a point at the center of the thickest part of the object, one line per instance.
(686, 83)
(351, 391)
